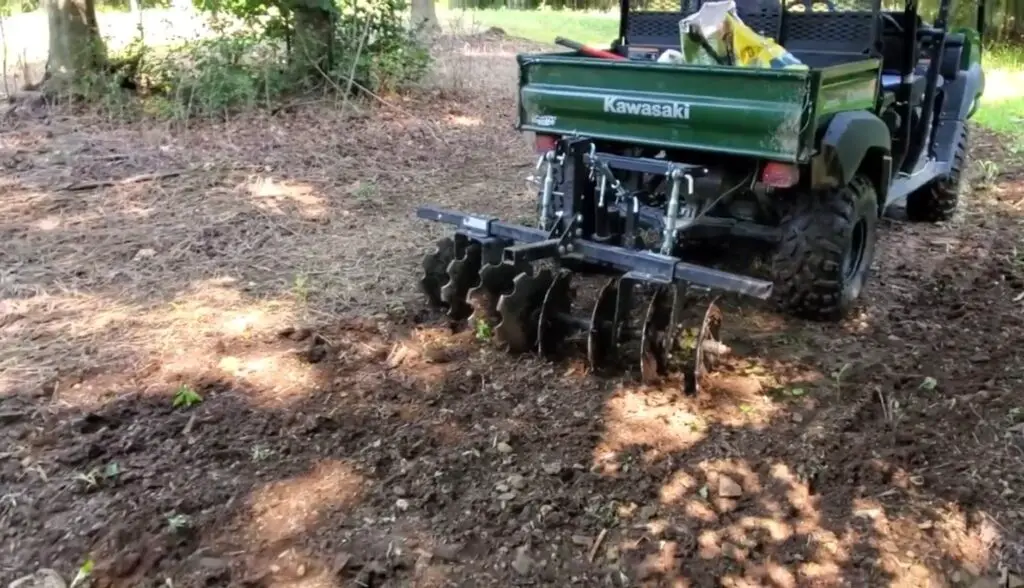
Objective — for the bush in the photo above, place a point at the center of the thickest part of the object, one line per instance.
(252, 59)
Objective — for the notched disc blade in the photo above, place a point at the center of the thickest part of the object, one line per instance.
(435, 271)
(462, 273)
(601, 338)
(520, 310)
(557, 301)
(495, 280)
(707, 347)
(654, 340)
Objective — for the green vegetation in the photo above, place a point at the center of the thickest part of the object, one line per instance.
(250, 57)
(1003, 103)
(542, 26)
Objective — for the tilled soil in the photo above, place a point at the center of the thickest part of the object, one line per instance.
(886, 450)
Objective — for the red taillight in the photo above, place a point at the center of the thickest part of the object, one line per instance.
(780, 175)
(545, 143)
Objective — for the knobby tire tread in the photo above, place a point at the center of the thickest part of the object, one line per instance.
(807, 265)
(938, 202)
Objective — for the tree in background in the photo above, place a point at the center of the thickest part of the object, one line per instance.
(424, 16)
(76, 48)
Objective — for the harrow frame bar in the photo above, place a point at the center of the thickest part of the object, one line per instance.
(532, 244)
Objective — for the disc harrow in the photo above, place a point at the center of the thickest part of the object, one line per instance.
(537, 311)
(618, 217)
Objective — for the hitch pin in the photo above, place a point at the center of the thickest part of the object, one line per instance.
(668, 237)
(600, 196)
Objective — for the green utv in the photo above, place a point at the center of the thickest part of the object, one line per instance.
(641, 162)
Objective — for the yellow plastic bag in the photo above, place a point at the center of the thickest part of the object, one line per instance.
(716, 35)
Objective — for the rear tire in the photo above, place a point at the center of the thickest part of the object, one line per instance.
(827, 247)
(938, 201)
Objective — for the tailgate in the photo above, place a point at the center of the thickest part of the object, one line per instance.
(751, 112)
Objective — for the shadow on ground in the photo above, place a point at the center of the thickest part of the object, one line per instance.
(347, 437)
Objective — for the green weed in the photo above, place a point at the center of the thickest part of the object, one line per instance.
(185, 397)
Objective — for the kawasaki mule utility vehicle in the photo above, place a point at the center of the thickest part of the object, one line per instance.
(641, 161)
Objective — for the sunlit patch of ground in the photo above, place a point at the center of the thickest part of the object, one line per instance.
(788, 469)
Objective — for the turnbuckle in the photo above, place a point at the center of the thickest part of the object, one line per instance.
(671, 225)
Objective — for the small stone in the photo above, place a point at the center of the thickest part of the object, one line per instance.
(448, 552)
(398, 491)
(516, 481)
(146, 253)
(728, 488)
(581, 540)
(502, 487)
(402, 504)
(507, 496)
(504, 447)
(545, 510)
(798, 418)
(553, 468)
(648, 512)
(301, 570)
(522, 562)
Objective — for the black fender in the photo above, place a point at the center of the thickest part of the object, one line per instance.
(849, 141)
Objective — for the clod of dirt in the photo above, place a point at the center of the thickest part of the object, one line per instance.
(373, 574)
(448, 552)
(214, 569)
(733, 551)
(42, 578)
(728, 488)
(341, 562)
(436, 353)
(295, 334)
(316, 351)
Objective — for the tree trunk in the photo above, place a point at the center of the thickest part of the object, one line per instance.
(76, 48)
(313, 35)
(424, 16)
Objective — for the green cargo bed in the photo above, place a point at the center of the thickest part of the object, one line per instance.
(770, 114)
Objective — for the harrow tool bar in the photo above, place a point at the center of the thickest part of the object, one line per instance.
(536, 244)
(483, 274)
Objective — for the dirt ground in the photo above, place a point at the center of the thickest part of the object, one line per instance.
(346, 437)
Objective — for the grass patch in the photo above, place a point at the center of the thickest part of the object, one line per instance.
(542, 26)
(1002, 107)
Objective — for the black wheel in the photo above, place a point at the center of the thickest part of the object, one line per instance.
(828, 244)
(939, 200)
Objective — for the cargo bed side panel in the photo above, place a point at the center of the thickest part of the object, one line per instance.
(757, 113)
